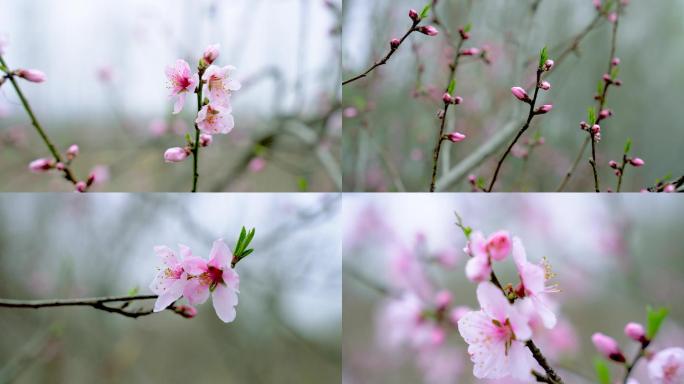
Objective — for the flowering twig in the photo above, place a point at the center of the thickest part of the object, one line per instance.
(626, 160)
(41, 164)
(449, 99)
(592, 127)
(395, 43)
(545, 64)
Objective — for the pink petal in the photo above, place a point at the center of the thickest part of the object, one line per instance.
(172, 294)
(196, 292)
(220, 255)
(167, 256)
(492, 301)
(225, 299)
(178, 104)
(194, 265)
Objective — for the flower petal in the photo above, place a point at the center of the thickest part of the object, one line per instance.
(225, 299)
(172, 294)
(220, 255)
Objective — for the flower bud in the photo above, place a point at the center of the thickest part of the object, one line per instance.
(443, 299)
(464, 35)
(615, 62)
(472, 179)
(544, 109)
(470, 52)
(636, 162)
(41, 165)
(176, 154)
(32, 75)
(669, 188)
(60, 166)
(413, 14)
(186, 311)
(635, 331)
(595, 129)
(520, 94)
(394, 43)
(618, 82)
(584, 125)
(548, 64)
(72, 152)
(447, 98)
(605, 113)
(428, 30)
(608, 347)
(458, 100)
(81, 186)
(205, 140)
(211, 53)
(455, 137)
(545, 85)
(613, 164)
(607, 78)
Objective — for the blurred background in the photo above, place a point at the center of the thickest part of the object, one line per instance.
(288, 326)
(612, 257)
(391, 123)
(106, 91)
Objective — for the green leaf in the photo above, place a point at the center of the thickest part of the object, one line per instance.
(467, 231)
(602, 371)
(133, 291)
(591, 115)
(246, 253)
(425, 12)
(614, 73)
(303, 184)
(599, 87)
(451, 87)
(628, 145)
(480, 182)
(654, 320)
(468, 27)
(543, 56)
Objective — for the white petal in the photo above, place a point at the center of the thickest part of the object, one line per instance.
(225, 299)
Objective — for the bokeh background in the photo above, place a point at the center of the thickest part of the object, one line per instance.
(391, 117)
(288, 327)
(612, 257)
(106, 91)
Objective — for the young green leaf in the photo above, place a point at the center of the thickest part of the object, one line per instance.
(133, 291)
(543, 56)
(614, 73)
(591, 115)
(452, 86)
(599, 87)
(602, 371)
(628, 145)
(467, 27)
(425, 12)
(655, 318)
(303, 184)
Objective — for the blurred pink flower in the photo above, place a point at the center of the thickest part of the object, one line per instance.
(214, 119)
(176, 154)
(32, 75)
(496, 335)
(158, 127)
(211, 53)
(608, 347)
(257, 164)
(182, 81)
(105, 74)
(41, 165)
(440, 365)
(499, 245)
(220, 84)
(3, 44)
(533, 284)
(667, 366)
(478, 267)
(99, 174)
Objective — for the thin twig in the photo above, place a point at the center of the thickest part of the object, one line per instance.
(196, 145)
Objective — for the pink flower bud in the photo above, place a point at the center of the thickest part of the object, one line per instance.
(257, 164)
(447, 98)
(605, 113)
(499, 245)
(472, 179)
(394, 43)
(455, 137)
(81, 186)
(60, 166)
(635, 331)
(458, 100)
(607, 78)
(428, 30)
(545, 85)
(176, 154)
(637, 162)
(464, 35)
(544, 109)
(615, 62)
(41, 165)
(584, 125)
(520, 94)
(91, 179)
(597, 5)
(72, 152)
(186, 311)
(205, 140)
(608, 347)
(548, 64)
(613, 164)
(211, 53)
(618, 82)
(413, 14)
(669, 188)
(443, 299)
(32, 75)
(617, 172)
(470, 52)
(595, 129)
(612, 17)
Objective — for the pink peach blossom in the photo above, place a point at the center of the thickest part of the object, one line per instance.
(455, 137)
(211, 53)
(608, 347)
(32, 75)
(220, 84)
(205, 140)
(72, 152)
(637, 162)
(478, 267)
(41, 165)
(636, 332)
(182, 81)
(81, 186)
(520, 94)
(170, 282)
(256, 165)
(533, 279)
(499, 245)
(496, 335)
(428, 30)
(176, 154)
(215, 119)
(667, 366)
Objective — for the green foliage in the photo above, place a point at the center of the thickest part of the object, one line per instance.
(425, 12)
(241, 251)
(303, 184)
(591, 115)
(133, 291)
(614, 73)
(543, 56)
(602, 371)
(452, 86)
(467, 27)
(654, 320)
(599, 87)
(628, 145)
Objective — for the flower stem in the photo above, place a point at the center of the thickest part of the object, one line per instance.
(34, 121)
(524, 128)
(196, 146)
(630, 366)
(387, 56)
